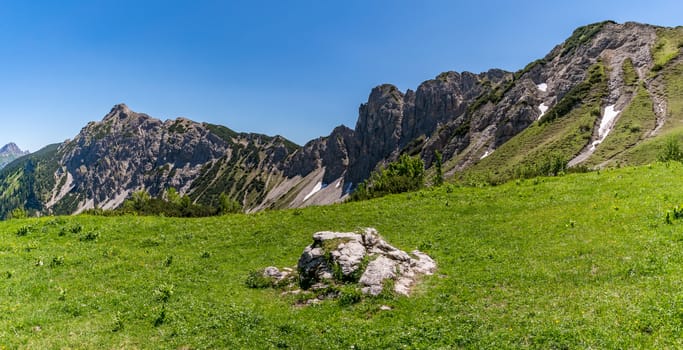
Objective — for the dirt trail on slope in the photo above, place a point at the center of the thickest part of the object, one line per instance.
(656, 88)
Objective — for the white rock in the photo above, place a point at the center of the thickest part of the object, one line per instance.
(424, 263)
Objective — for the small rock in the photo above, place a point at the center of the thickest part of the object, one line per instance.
(292, 292)
(319, 285)
(275, 273)
(402, 285)
(271, 271)
(385, 308)
(424, 264)
(313, 301)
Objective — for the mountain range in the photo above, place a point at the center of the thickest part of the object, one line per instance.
(611, 94)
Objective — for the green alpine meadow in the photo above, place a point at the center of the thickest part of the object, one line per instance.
(592, 260)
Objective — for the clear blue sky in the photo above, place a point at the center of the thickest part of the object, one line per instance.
(295, 68)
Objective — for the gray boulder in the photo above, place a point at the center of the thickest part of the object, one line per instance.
(365, 258)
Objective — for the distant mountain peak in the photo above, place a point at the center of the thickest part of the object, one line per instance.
(11, 148)
(10, 152)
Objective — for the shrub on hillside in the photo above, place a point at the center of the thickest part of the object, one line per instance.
(405, 174)
(549, 165)
(171, 204)
(671, 151)
(438, 169)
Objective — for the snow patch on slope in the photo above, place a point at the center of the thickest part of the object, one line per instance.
(607, 121)
(318, 186)
(543, 87)
(543, 108)
(486, 154)
(606, 125)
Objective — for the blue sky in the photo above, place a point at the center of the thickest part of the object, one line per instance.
(295, 68)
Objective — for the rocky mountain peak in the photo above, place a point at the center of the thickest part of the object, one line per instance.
(10, 152)
(119, 111)
(121, 116)
(12, 148)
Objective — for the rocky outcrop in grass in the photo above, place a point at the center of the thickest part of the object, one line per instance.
(360, 261)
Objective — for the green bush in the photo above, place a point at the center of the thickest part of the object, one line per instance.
(674, 214)
(163, 292)
(19, 213)
(349, 295)
(256, 279)
(90, 236)
(405, 174)
(57, 261)
(671, 151)
(549, 165)
(23, 231)
(438, 166)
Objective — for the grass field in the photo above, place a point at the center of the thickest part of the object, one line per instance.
(579, 261)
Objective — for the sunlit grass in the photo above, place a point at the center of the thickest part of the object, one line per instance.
(580, 261)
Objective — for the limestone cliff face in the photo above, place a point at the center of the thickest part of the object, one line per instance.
(467, 116)
(378, 130)
(501, 114)
(129, 151)
(391, 122)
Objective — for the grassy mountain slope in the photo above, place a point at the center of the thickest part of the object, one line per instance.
(647, 148)
(25, 182)
(632, 127)
(580, 261)
(571, 125)
(562, 132)
(632, 142)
